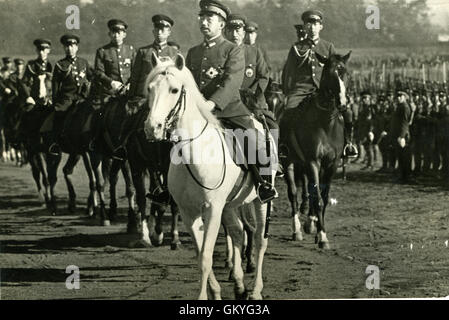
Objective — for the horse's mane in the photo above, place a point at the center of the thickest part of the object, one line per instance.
(186, 77)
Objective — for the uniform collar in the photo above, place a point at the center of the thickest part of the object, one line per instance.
(70, 59)
(114, 45)
(209, 43)
(158, 45)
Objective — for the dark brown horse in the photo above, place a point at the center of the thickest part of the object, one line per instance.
(314, 139)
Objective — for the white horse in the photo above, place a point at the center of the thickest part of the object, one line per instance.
(209, 189)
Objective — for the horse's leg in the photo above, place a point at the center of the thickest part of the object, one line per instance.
(175, 242)
(293, 198)
(68, 171)
(248, 211)
(323, 242)
(130, 191)
(260, 247)
(234, 228)
(95, 160)
(92, 201)
(52, 167)
(156, 212)
(37, 177)
(42, 166)
(229, 250)
(212, 219)
(316, 202)
(195, 227)
(113, 179)
(138, 223)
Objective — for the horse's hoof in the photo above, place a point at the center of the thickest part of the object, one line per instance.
(240, 295)
(297, 236)
(158, 239)
(231, 275)
(316, 239)
(255, 296)
(175, 246)
(140, 244)
(250, 267)
(106, 223)
(324, 245)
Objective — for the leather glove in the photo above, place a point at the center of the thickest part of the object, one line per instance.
(116, 85)
(30, 100)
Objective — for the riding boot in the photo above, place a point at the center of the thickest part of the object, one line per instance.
(128, 128)
(265, 190)
(57, 132)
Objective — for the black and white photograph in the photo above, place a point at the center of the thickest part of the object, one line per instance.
(224, 150)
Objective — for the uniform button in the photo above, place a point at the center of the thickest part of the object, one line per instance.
(120, 62)
(205, 58)
(313, 67)
(119, 56)
(204, 70)
(202, 82)
(313, 74)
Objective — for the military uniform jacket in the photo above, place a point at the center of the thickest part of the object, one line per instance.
(302, 71)
(143, 66)
(30, 83)
(14, 83)
(71, 81)
(400, 121)
(113, 63)
(218, 69)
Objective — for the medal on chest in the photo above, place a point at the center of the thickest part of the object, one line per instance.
(249, 72)
(211, 73)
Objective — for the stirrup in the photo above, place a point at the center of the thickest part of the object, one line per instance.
(119, 157)
(53, 152)
(271, 192)
(349, 147)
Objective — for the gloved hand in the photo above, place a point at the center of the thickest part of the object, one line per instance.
(401, 142)
(384, 133)
(116, 85)
(131, 109)
(371, 136)
(7, 91)
(30, 100)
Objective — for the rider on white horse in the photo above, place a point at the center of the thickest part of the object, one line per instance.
(218, 68)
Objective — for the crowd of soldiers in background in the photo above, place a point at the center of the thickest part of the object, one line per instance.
(427, 147)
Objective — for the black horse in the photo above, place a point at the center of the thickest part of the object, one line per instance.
(44, 166)
(314, 138)
(152, 159)
(75, 140)
(107, 134)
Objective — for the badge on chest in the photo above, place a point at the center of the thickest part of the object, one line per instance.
(212, 73)
(249, 72)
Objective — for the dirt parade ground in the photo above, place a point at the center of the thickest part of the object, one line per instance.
(403, 230)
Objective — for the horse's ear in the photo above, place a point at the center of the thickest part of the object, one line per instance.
(155, 59)
(179, 61)
(347, 56)
(320, 58)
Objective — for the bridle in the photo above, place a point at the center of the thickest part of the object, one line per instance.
(170, 124)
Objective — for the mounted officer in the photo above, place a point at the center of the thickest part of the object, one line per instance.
(113, 68)
(302, 71)
(140, 71)
(218, 67)
(71, 85)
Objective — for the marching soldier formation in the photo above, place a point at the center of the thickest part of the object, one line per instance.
(401, 128)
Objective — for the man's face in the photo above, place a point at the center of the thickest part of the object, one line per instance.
(313, 29)
(20, 67)
(117, 36)
(401, 98)
(251, 37)
(210, 25)
(71, 49)
(161, 33)
(43, 53)
(366, 99)
(235, 35)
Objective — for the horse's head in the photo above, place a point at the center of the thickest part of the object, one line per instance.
(334, 77)
(165, 96)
